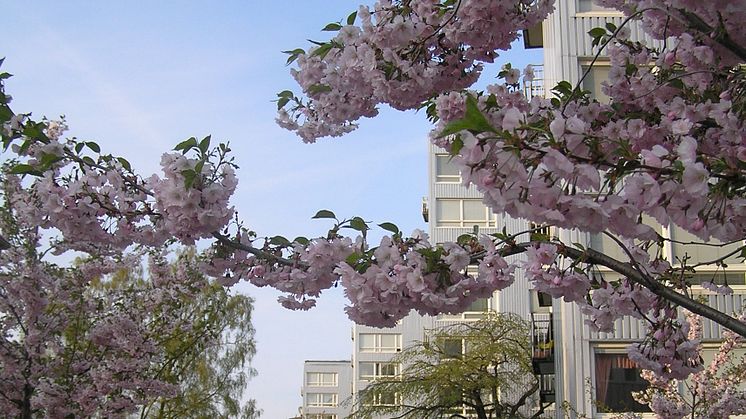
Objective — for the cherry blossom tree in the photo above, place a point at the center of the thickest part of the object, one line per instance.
(669, 147)
(101, 338)
(715, 392)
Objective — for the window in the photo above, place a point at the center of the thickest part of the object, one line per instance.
(445, 170)
(373, 370)
(719, 277)
(321, 399)
(480, 305)
(384, 399)
(463, 213)
(700, 253)
(452, 348)
(380, 342)
(321, 379)
(592, 82)
(319, 416)
(585, 6)
(617, 377)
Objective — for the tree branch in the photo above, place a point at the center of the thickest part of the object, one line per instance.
(594, 257)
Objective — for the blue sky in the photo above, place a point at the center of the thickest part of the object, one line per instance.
(139, 77)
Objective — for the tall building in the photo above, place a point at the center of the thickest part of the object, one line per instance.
(591, 368)
(577, 366)
(327, 389)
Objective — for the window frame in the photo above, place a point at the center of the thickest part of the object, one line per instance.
(489, 220)
(321, 382)
(604, 351)
(378, 346)
(444, 177)
(378, 367)
(319, 402)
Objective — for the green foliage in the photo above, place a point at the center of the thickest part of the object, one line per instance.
(492, 375)
(209, 361)
(473, 120)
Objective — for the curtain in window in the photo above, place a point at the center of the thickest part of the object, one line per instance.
(603, 370)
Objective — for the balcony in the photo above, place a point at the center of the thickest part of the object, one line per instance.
(542, 354)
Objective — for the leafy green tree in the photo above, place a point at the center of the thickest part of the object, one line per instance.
(210, 362)
(483, 367)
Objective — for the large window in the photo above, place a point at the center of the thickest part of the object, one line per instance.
(321, 379)
(617, 377)
(683, 246)
(321, 399)
(373, 370)
(463, 213)
(379, 342)
(445, 170)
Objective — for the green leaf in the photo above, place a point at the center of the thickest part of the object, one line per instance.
(358, 224)
(579, 246)
(279, 241)
(189, 177)
(351, 18)
(93, 146)
(198, 167)
(597, 32)
(79, 147)
(296, 51)
(389, 227)
(464, 238)
(456, 145)
(286, 93)
(125, 164)
(204, 145)
(319, 88)
(22, 169)
(282, 102)
(332, 27)
(353, 259)
(186, 145)
(322, 50)
(610, 27)
(48, 159)
(294, 54)
(325, 214)
(301, 240)
(473, 120)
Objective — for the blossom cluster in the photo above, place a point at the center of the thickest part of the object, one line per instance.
(400, 54)
(713, 392)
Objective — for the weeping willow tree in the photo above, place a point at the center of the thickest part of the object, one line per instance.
(476, 369)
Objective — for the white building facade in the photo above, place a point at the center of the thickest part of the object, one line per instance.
(592, 369)
(327, 389)
(579, 368)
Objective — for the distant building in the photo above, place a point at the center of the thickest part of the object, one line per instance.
(327, 389)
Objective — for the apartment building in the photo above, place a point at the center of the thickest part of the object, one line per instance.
(577, 366)
(592, 367)
(327, 389)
